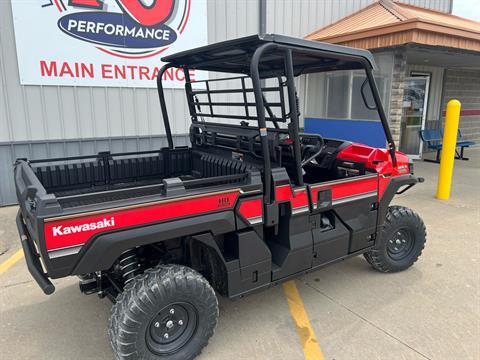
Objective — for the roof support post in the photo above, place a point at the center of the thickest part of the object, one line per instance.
(257, 91)
(292, 104)
(188, 90)
(381, 113)
(163, 106)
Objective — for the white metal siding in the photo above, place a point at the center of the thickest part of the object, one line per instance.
(50, 112)
(439, 5)
(301, 17)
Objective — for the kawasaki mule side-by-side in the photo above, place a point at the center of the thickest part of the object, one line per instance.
(251, 202)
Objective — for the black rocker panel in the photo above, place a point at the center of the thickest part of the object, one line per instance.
(360, 217)
(255, 263)
(331, 239)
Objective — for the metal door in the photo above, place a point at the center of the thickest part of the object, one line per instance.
(414, 112)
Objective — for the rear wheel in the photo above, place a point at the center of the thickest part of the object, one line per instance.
(169, 312)
(400, 242)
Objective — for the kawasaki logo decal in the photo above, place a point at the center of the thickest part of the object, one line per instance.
(67, 230)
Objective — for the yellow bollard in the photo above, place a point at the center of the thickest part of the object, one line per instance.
(450, 132)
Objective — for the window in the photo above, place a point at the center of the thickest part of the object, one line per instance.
(337, 94)
(359, 110)
(338, 89)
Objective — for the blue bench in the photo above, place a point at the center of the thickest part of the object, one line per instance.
(433, 138)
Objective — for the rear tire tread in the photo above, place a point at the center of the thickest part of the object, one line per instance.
(137, 301)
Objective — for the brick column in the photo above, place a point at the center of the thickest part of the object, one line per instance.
(396, 95)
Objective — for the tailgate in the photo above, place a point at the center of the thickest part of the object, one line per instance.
(29, 191)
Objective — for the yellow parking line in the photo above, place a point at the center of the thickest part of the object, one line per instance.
(311, 348)
(7, 264)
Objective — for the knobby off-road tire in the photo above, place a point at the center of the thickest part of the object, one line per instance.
(168, 299)
(400, 242)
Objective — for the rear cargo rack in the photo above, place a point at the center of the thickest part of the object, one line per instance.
(249, 112)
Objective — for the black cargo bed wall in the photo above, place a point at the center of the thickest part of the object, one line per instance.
(107, 168)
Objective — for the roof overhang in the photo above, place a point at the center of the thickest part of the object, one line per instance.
(448, 58)
(407, 24)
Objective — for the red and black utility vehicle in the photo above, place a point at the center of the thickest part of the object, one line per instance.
(250, 203)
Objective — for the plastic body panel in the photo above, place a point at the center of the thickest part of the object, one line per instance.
(102, 251)
(329, 244)
(255, 263)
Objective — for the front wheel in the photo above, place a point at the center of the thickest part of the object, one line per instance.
(169, 312)
(400, 242)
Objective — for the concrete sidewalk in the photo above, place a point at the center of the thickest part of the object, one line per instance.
(431, 311)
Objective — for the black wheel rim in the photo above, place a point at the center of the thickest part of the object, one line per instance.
(172, 328)
(400, 244)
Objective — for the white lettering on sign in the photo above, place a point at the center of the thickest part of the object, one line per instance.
(66, 230)
(84, 26)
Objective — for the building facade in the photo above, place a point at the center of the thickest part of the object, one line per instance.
(58, 121)
(425, 58)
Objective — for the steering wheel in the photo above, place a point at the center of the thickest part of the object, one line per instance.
(312, 146)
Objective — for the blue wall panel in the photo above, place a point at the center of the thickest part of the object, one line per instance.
(360, 131)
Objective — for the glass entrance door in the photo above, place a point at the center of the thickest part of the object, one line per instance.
(414, 111)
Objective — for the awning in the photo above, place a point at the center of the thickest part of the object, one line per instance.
(387, 23)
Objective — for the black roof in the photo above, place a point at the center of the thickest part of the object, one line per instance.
(234, 56)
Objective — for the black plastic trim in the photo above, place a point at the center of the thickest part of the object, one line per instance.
(392, 189)
(101, 252)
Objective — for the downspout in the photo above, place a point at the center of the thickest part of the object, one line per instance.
(262, 24)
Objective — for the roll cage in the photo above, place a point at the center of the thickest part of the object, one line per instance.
(258, 58)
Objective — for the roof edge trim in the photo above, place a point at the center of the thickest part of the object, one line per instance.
(411, 24)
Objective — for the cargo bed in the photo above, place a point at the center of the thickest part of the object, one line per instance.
(64, 186)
